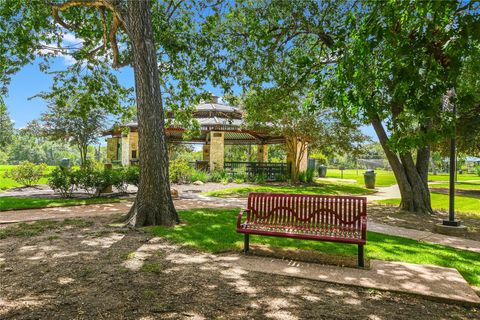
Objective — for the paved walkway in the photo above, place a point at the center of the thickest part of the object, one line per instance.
(437, 283)
(384, 193)
(431, 282)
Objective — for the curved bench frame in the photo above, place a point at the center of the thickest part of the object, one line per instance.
(312, 217)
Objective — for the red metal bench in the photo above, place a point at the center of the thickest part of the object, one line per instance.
(312, 217)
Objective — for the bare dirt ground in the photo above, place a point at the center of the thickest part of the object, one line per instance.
(97, 271)
(391, 215)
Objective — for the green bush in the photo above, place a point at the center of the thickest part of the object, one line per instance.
(26, 173)
(132, 175)
(94, 181)
(117, 178)
(302, 176)
(218, 176)
(103, 179)
(238, 180)
(62, 180)
(226, 180)
(85, 179)
(180, 171)
(240, 177)
(199, 175)
(281, 177)
(309, 175)
(260, 178)
(477, 170)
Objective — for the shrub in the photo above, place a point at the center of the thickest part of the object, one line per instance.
(218, 176)
(238, 180)
(117, 178)
(132, 175)
(180, 171)
(27, 173)
(309, 175)
(94, 181)
(302, 176)
(281, 177)
(225, 180)
(62, 180)
(260, 178)
(240, 177)
(198, 175)
(84, 179)
(103, 179)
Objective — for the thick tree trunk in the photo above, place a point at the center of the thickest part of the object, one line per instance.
(154, 204)
(412, 178)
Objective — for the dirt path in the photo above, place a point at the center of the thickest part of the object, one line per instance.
(87, 273)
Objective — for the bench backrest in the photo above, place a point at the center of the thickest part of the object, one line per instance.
(299, 209)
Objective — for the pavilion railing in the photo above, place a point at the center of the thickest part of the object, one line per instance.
(272, 171)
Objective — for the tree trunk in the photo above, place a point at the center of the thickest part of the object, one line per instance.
(412, 178)
(83, 155)
(154, 204)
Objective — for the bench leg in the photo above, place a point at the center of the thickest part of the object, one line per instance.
(361, 256)
(246, 242)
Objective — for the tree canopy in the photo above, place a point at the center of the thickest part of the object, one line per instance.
(389, 64)
(6, 126)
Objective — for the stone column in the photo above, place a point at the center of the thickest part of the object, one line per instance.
(125, 151)
(133, 145)
(206, 152)
(217, 150)
(112, 149)
(262, 153)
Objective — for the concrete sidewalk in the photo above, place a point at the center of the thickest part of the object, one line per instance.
(431, 282)
(455, 242)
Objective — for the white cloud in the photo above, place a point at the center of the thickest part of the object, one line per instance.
(69, 38)
(69, 42)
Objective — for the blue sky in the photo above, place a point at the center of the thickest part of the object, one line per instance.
(30, 81)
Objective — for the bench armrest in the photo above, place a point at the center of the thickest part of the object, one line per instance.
(364, 227)
(240, 215)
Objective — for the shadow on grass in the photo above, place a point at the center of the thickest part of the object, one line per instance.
(213, 230)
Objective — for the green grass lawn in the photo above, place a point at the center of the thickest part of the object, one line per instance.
(7, 183)
(459, 186)
(468, 205)
(460, 177)
(213, 230)
(15, 203)
(383, 178)
(386, 178)
(321, 188)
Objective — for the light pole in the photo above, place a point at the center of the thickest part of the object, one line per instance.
(453, 168)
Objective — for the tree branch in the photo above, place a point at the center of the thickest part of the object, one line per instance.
(101, 5)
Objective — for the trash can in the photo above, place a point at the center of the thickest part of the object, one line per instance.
(65, 162)
(369, 177)
(322, 171)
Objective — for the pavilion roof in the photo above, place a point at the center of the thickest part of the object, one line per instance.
(214, 116)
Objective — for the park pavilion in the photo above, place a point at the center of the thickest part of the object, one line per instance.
(220, 125)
